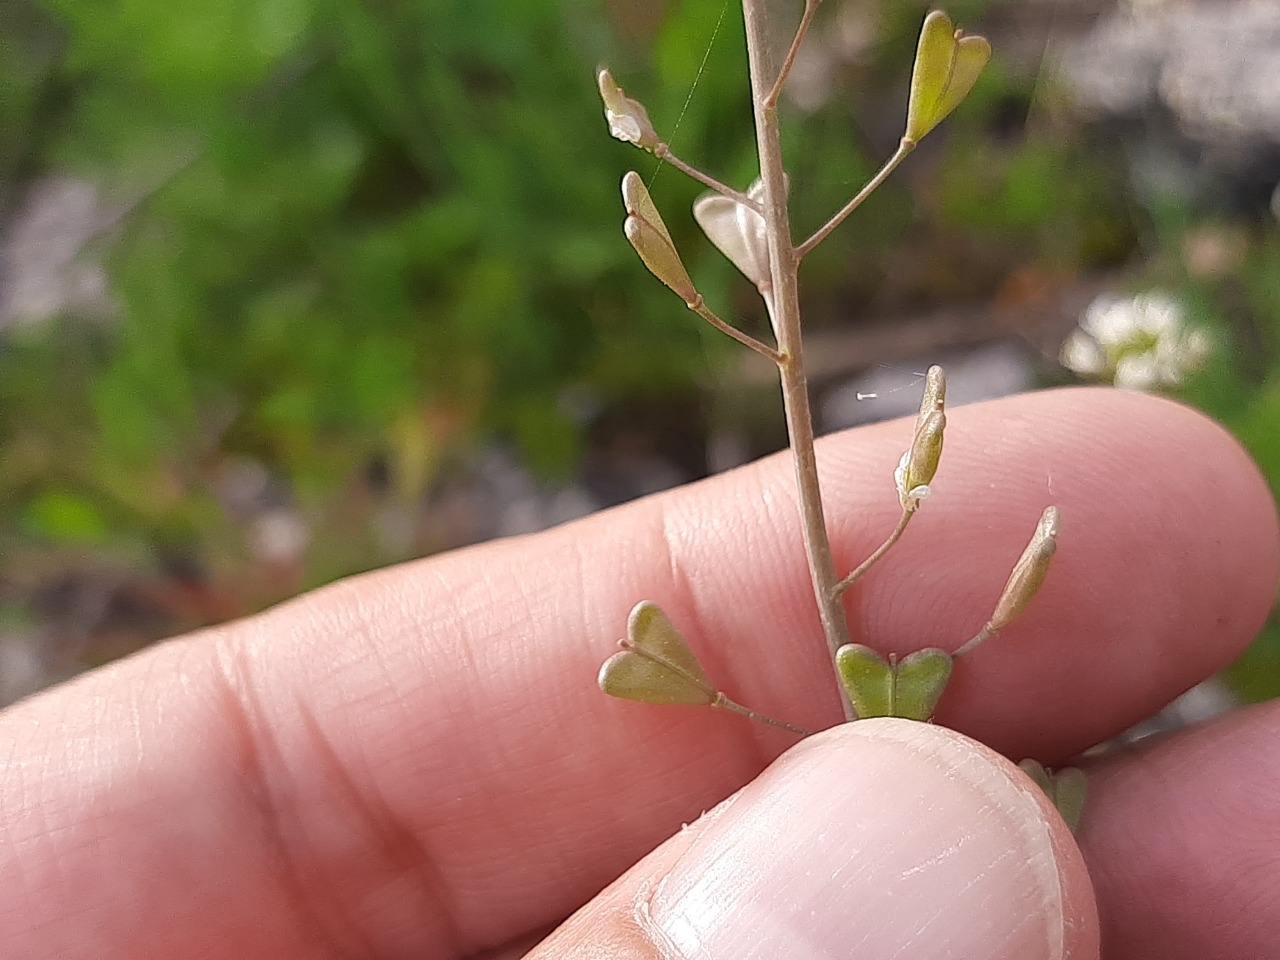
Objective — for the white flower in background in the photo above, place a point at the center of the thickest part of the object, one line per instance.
(1138, 343)
(279, 536)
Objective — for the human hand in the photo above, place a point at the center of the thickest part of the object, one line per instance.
(417, 763)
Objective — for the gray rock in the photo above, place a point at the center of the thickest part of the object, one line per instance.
(42, 268)
(1201, 83)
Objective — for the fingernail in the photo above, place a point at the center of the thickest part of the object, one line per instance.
(880, 839)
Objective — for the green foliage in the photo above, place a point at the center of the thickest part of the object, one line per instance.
(356, 234)
(1059, 199)
(1241, 387)
(29, 52)
(64, 517)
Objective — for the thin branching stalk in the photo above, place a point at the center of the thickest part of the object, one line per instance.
(879, 552)
(785, 297)
(700, 307)
(663, 152)
(904, 150)
(810, 8)
(979, 638)
(724, 703)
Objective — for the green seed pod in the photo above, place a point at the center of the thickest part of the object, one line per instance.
(947, 65)
(908, 688)
(648, 234)
(1065, 787)
(655, 664)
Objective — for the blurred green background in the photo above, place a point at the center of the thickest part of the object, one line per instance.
(310, 268)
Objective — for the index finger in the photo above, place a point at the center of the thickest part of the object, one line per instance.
(395, 755)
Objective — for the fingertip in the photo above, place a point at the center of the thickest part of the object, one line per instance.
(1166, 565)
(1172, 831)
(1200, 458)
(881, 838)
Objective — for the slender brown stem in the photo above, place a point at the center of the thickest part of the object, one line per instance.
(879, 552)
(700, 307)
(783, 264)
(904, 148)
(986, 633)
(810, 8)
(724, 703)
(663, 152)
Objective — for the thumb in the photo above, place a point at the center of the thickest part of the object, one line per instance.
(877, 839)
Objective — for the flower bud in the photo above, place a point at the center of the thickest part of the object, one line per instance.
(1028, 573)
(935, 393)
(919, 464)
(628, 119)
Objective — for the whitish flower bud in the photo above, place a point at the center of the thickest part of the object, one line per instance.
(737, 231)
(648, 234)
(1028, 573)
(919, 464)
(628, 119)
(935, 393)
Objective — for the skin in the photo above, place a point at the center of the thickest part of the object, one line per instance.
(416, 762)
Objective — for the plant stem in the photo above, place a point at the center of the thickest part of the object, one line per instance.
(904, 148)
(724, 703)
(663, 152)
(810, 8)
(700, 307)
(785, 297)
(879, 552)
(983, 635)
